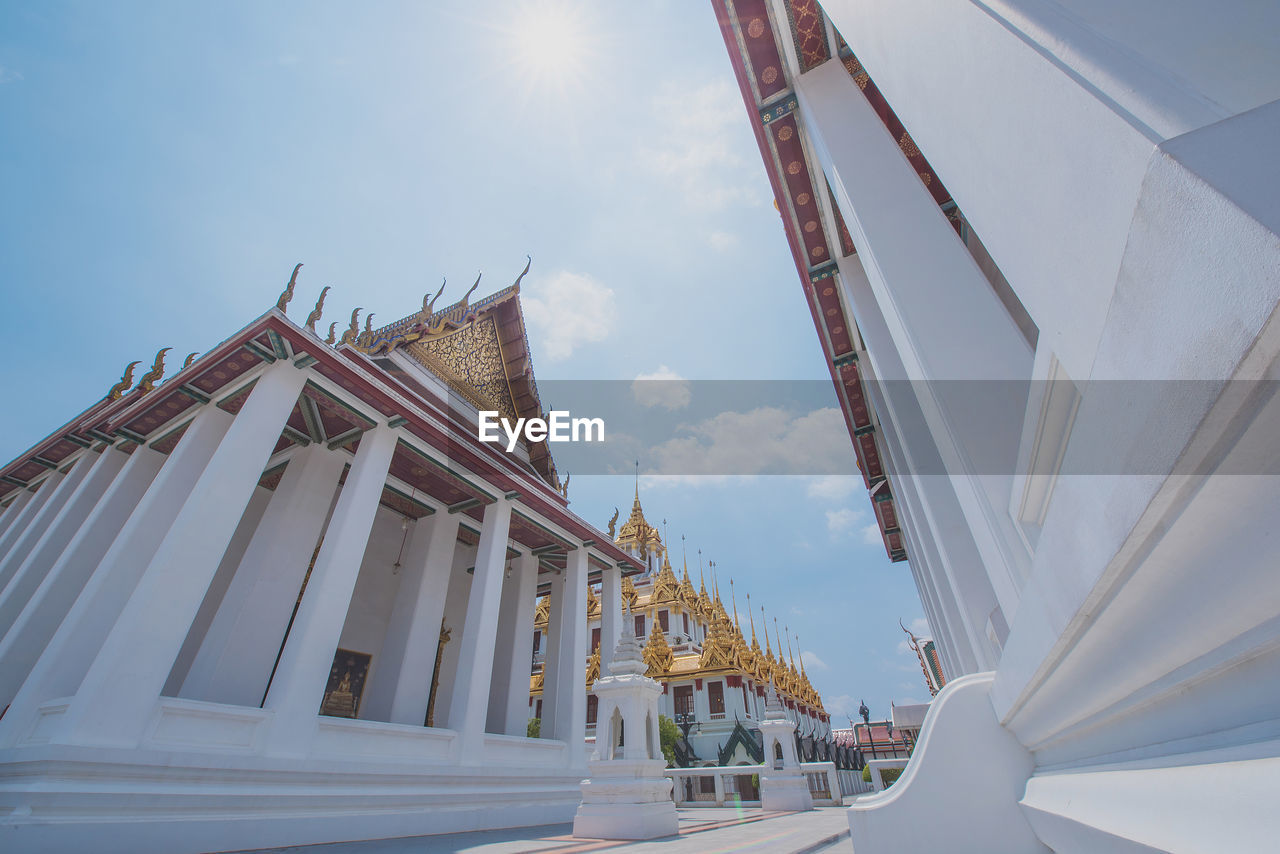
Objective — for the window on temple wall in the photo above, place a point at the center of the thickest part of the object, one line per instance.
(684, 700)
(538, 712)
(715, 697)
(745, 705)
(595, 637)
(593, 708)
(686, 624)
(639, 625)
(537, 642)
(665, 620)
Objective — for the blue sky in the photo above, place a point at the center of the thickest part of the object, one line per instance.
(164, 165)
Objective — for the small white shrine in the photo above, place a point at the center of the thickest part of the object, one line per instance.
(627, 796)
(783, 787)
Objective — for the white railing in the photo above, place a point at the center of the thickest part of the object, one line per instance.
(740, 784)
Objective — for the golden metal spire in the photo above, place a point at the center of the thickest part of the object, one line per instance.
(126, 379)
(287, 295)
(750, 617)
(734, 599)
(349, 335)
(790, 655)
(768, 648)
(149, 379)
(466, 298)
(317, 311)
(523, 272)
(431, 306)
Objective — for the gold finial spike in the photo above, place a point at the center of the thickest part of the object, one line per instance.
(366, 337)
(802, 673)
(349, 335)
(329, 339)
(733, 599)
(466, 298)
(715, 585)
(523, 272)
(191, 357)
(148, 380)
(702, 579)
(778, 635)
(283, 302)
(791, 655)
(432, 305)
(126, 379)
(765, 621)
(753, 621)
(317, 311)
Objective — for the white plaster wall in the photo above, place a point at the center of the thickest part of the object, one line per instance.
(376, 586)
(1046, 171)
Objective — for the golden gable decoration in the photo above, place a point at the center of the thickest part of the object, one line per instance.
(469, 359)
(657, 653)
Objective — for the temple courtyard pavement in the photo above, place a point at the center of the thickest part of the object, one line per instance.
(704, 830)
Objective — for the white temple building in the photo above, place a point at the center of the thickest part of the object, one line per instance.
(1039, 240)
(287, 596)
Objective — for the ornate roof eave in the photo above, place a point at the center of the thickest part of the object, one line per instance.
(748, 28)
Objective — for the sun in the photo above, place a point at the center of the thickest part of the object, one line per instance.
(551, 43)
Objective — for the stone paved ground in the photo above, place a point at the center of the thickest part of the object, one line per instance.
(702, 831)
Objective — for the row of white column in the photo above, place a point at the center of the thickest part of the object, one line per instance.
(104, 569)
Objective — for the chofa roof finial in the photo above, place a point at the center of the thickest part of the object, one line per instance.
(283, 302)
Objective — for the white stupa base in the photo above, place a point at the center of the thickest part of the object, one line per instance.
(626, 799)
(785, 791)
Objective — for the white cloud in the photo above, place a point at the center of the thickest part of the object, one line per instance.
(9, 75)
(811, 661)
(841, 522)
(871, 535)
(700, 149)
(766, 440)
(842, 706)
(664, 387)
(566, 310)
(833, 487)
(722, 241)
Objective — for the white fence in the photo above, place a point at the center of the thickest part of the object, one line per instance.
(740, 784)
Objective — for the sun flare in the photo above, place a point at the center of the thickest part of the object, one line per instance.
(551, 43)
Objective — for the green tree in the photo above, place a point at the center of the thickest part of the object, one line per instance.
(669, 735)
(534, 728)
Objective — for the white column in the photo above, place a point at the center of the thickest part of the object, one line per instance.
(513, 660)
(59, 489)
(114, 702)
(35, 625)
(14, 510)
(235, 659)
(22, 522)
(945, 319)
(298, 686)
(99, 472)
(610, 615)
(470, 697)
(65, 660)
(569, 723)
(401, 688)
